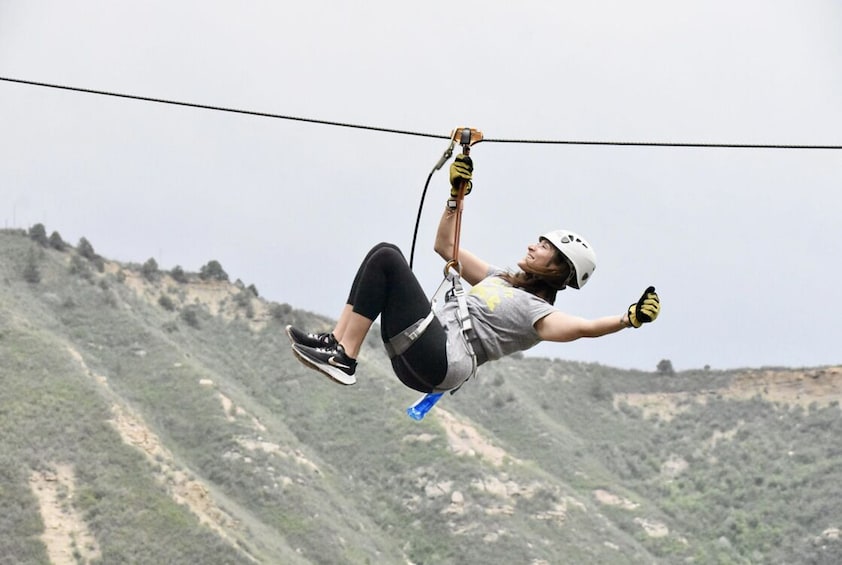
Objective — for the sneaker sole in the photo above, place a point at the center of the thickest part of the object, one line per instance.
(337, 376)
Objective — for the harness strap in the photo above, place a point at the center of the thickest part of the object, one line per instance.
(465, 322)
(404, 340)
(464, 315)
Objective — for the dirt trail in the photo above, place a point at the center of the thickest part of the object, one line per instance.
(182, 487)
(465, 439)
(66, 535)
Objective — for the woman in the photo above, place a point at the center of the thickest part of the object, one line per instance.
(507, 312)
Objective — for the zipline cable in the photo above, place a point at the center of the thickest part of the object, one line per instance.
(415, 133)
(217, 108)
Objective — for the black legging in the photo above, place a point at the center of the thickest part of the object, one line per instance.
(386, 286)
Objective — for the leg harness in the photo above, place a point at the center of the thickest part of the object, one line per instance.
(401, 342)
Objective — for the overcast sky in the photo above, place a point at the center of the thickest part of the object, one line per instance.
(743, 245)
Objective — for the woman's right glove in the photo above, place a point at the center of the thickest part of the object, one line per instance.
(461, 171)
(646, 309)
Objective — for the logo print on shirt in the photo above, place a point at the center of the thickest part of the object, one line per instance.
(492, 291)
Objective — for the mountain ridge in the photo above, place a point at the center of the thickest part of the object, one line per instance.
(172, 410)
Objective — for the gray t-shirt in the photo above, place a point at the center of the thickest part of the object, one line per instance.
(503, 316)
(503, 319)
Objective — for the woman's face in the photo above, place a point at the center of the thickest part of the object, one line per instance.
(541, 255)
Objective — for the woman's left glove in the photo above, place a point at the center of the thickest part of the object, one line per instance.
(461, 171)
(646, 309)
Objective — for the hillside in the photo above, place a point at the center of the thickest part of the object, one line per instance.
(159, 417)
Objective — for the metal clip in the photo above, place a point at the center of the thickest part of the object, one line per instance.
(467, 138)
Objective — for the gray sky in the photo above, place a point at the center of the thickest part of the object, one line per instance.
(742, 244)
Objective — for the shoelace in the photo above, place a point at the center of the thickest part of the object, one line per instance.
(326, 339)
(336, 350)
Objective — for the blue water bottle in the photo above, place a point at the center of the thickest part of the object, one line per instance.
(418, 410)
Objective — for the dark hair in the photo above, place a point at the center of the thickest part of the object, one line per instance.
(543, 282)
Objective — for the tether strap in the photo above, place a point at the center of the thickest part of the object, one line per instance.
(399, 343)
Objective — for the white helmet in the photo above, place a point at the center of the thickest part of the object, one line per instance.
(579, 254)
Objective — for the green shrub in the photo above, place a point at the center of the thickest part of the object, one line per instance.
(38, 234)
(213, 270)
(178, 274)
(150, 270)
(166, 303)
(190, 315)
(665, 367)
(31, 272)
(85, 249)
(56, 242)
(280, 311)
(81, 268)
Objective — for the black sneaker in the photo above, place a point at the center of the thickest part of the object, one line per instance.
(332, 362)
(298, 337)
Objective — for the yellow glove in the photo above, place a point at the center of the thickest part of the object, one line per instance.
(646, 309)
(461, 172)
